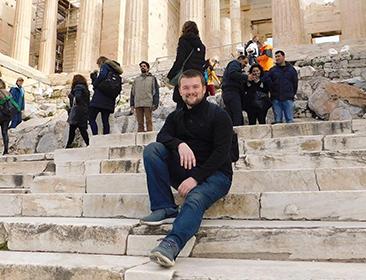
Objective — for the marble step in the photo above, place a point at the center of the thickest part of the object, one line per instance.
(26, 167)
(14, 190)
(267, 240)
(15, 181)
(26, 157)
(305, 205)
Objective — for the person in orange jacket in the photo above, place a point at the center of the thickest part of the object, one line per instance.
(265, 58)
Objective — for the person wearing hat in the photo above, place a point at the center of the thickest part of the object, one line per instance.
(18, 93)
(144, 97)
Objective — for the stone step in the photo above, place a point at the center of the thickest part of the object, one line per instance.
(15, 181)
(247, 132)
(59, 184)
(14, 190)
(27, 157)
(52, 266)
(268, 240)
(345, 142)
(308, 205)
(26, 167)
(28, 265)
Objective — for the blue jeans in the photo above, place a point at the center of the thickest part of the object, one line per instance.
(283, 108)
(163, 170)
(16, 120)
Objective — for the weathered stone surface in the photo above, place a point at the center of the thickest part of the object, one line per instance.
(120, 166)
(113, 140)
(117, 183)
(311, 128)
(51, 266)
(146, 138)
(26, 157)
(70, 168)
(341, 114)
(70, 235)
(26, 167)
(331, 205)
(141, 245)
(81, 154)
(15, 181)
(254, 132)
(59, 184)
(352, 178)
(130, 152)
(61, 205)
(344, 142)
(306, 72)
(359, 126)
(285, 145)
(10, 205)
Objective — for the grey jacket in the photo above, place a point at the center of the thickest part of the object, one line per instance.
(145, 91)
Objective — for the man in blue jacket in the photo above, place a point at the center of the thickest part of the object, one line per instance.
(283, 83)
(17, 93)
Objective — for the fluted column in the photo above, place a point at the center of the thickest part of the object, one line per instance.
(47, 52)
(353, 19)
(235, 17)
(213, 27)
(22, 31)
(288, 28)
(136, 43)
(225, 37)
(193, 10)
(88, 35)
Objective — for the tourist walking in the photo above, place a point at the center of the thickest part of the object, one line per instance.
(192, 154)
(79, 98)
(18, 94)
(211, 77)
(107, 85)
(283, 84)
(233, 87)
(144, 97)
(191, 54)
(256, 101)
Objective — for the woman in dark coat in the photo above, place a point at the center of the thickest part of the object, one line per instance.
(256, 100)
(79, 102)
(4, 118)
(189, 41)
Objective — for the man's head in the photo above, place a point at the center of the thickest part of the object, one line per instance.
(280, 57)
(192, 87)
(144, 67)
(255, 39)
(101, 60)
(20, 81)
(243, 60)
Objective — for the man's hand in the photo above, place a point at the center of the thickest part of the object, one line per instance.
(187, 158)
(186, 186)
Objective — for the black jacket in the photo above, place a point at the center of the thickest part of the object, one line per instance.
(233, 79)
(186, 44)
(208, 135)
(251, 88)
(79, 110)
(283, 82)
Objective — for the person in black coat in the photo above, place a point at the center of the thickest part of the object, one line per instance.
(4, 118)
(79, 102)
(102, 102)
(256, 100)
(232, 89)
(189, 41)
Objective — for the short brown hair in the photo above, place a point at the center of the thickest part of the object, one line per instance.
(190, 27)
(79, 79)
(101, 60)
(191, 73)
(2, 84)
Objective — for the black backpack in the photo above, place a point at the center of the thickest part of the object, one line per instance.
(9, 107)
(111, 86)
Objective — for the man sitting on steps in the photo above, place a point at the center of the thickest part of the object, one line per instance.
(192, 154)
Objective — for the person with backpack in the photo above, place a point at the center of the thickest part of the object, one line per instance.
(191, 54)
(8, 109)
(18, 94)
(144, 97)
(192, 154)
(107, 85)
(79, 103)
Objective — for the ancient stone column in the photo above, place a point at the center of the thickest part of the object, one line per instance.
(225, 37)
(353, 14)
(213, 38)
(235, 18)
(47, 52)
(136, 32)
(288, 28)
(88, 35)
(193, 10)
(22, 31)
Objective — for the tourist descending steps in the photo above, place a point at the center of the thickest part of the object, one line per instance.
(144, 97)
(79, 103)
(283, 83)
(192, 154)
(18, 95)
(107, 85)
(191, 54)
(232, 89)
(211, 76)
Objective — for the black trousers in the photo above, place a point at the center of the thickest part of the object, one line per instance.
(5, 135)
(83, 132)
(254, 115)
(232, 101)
(93, 113)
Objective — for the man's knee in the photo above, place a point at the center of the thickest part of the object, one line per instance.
(198, 200)
(154, 150)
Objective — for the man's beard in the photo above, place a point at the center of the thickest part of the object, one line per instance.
(143, 71)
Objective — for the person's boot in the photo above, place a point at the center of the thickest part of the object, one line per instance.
(165, 253)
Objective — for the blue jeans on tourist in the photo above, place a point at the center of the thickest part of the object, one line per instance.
(16, 120)
(163, 170)
(283, 109)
